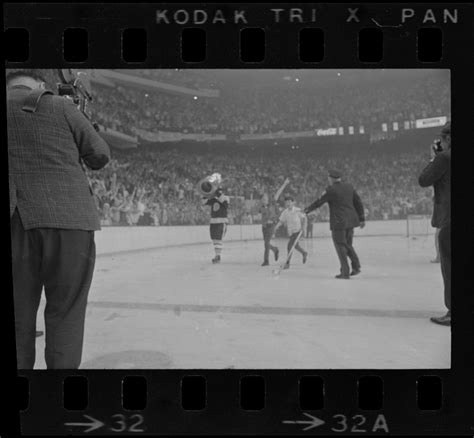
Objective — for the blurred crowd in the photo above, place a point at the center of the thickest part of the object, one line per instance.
(125, 109)
(160, 187)
(176, 76)
(268, 109)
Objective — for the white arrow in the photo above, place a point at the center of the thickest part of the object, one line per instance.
(96, 424)
(315, 422)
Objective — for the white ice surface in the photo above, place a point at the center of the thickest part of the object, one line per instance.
(171, 308)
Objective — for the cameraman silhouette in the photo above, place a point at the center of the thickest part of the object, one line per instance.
(52, 216)
(438, 174)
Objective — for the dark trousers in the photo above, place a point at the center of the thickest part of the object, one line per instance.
(61, 261)
(444, 240)
(343, 243)
(291, 242)
(217, 231)
(267, 230)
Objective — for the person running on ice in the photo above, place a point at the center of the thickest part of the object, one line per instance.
(269, 213)
(295, 221)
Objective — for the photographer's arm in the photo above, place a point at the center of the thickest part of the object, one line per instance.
(433, 171)
(93, 150)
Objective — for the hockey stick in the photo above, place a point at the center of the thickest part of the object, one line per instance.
(288, 257)
(280, 190)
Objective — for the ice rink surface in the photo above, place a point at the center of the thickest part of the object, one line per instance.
(171, 308)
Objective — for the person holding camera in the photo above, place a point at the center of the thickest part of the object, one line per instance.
(438, 174)
(53, 216)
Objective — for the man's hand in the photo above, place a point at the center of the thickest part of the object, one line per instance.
(362, 225)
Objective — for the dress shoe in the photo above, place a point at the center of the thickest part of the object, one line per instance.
(355, 271)
(342, 277)
(39, 333)
(305, 257)
(277, 253)
(265, 264)
(442, 320)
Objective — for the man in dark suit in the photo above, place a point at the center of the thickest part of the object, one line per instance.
(345, 213)
(52, 217)
(438, 174)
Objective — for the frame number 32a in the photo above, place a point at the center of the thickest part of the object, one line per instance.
(358, 424)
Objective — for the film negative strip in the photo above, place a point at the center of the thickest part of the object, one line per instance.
(309, 113)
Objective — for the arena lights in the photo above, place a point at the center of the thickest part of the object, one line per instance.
(195, 97)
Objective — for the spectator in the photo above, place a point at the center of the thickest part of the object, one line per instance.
(389, 190)
(160, 184)
(250, 110)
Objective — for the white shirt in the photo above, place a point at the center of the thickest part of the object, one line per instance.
(291, 217)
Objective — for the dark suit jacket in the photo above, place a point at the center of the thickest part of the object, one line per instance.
(47, 183)
(345, 207)
(438, 175)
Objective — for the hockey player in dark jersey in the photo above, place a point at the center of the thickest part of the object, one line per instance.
(219, 204)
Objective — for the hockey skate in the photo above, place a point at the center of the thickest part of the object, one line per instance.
(216, 259)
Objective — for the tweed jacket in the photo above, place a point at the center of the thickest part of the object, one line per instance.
(47, 184)
(438, 174)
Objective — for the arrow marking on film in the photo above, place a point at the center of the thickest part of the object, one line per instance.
(315, 422)
(95, 424)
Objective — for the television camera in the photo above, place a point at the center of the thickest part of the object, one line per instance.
(76, 86)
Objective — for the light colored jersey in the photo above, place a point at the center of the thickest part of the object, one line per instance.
(291, 218)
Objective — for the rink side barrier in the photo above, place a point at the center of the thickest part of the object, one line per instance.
(113, 240)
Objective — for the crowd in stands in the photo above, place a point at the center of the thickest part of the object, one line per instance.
(175, 76)
(250, 108)
(126, 109)
(160, 187)
(268, 109)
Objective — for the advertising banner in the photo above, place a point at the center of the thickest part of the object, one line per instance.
(431, 122)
